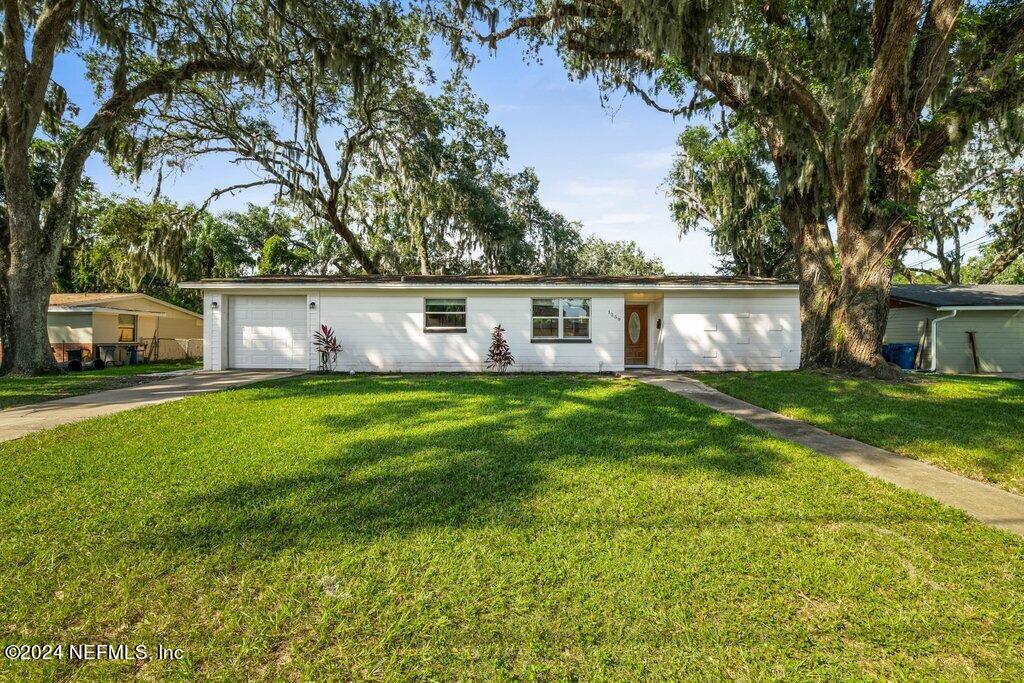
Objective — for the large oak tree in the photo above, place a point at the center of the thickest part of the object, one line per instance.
(857, 102)
(139, 54)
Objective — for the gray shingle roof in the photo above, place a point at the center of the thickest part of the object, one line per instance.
(960, 295)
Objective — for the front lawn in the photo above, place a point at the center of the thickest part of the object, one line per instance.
(16, 391)
(971, 425)
(469, 527)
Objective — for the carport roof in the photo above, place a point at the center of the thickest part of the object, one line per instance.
(961, 296)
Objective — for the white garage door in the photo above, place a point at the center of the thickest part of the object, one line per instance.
(267, 332)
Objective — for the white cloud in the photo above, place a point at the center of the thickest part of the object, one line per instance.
(616, 219)
(602, 189)
(651, 160)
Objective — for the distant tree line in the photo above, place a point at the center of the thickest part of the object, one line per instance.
(131, 244)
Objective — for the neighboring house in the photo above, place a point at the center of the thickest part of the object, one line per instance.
(107, 325)
(978, 328)
(443, 323)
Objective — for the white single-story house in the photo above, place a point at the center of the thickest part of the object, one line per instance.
(978, 328)
(108, 324)
(443, 323)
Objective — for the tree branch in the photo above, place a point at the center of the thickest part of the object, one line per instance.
(106, 117)
(893, 35)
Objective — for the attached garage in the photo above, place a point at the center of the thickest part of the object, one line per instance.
(267, 332)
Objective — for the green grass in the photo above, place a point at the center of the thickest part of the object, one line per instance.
(479, 527)
(971, 425)
(16, 391)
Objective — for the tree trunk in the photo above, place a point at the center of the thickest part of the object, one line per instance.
(28, 280)
(5, 299)
(337, 223)
(30, 267)
(30, 349)
(812, 246)
(862, 304)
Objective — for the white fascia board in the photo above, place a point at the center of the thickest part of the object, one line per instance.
(964, 309)
(307, 286)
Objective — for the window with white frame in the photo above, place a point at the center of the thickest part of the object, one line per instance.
(444, 315)
(561, 318)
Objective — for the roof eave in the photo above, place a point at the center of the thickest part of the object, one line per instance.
(487, 285)
(103, 309)
(982, 307)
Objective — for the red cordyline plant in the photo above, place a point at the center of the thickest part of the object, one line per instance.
(327, 346)
(499, 356)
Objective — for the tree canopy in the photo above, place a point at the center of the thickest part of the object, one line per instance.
(139, 54)
(856, 101)
(978, 183)
(726, 185)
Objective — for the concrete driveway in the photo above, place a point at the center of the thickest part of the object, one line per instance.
(17, 422)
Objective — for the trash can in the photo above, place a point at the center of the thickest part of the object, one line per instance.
(904, 355)
(106, 354)
(133, 355)
(887, 350)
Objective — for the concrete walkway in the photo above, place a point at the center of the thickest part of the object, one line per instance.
(989, 504)
(17, 422)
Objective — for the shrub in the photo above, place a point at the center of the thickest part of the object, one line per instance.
(327, 346)
(499, 356)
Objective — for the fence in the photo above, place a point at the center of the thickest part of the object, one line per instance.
(174, 348)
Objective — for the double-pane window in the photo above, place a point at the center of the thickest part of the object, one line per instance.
(445, 315)
(561, 318)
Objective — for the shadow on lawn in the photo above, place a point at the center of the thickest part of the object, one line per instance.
(400, 455)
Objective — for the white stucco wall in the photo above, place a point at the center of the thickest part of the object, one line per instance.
(214, 356)
(722, 330)
(383, 331)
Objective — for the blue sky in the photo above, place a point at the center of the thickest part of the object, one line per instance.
(603, 166)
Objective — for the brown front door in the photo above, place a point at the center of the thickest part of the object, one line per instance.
(636, 334)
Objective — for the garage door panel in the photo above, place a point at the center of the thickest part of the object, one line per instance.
(268, 332)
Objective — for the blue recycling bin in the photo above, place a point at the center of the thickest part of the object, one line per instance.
(887, 352)
(133, 355)
(904, 355)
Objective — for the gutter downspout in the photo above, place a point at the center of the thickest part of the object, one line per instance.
(935, 340)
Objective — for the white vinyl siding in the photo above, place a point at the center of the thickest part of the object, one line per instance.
(731, 331)
(912, 325)
(267, 332)
(1000, 340)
